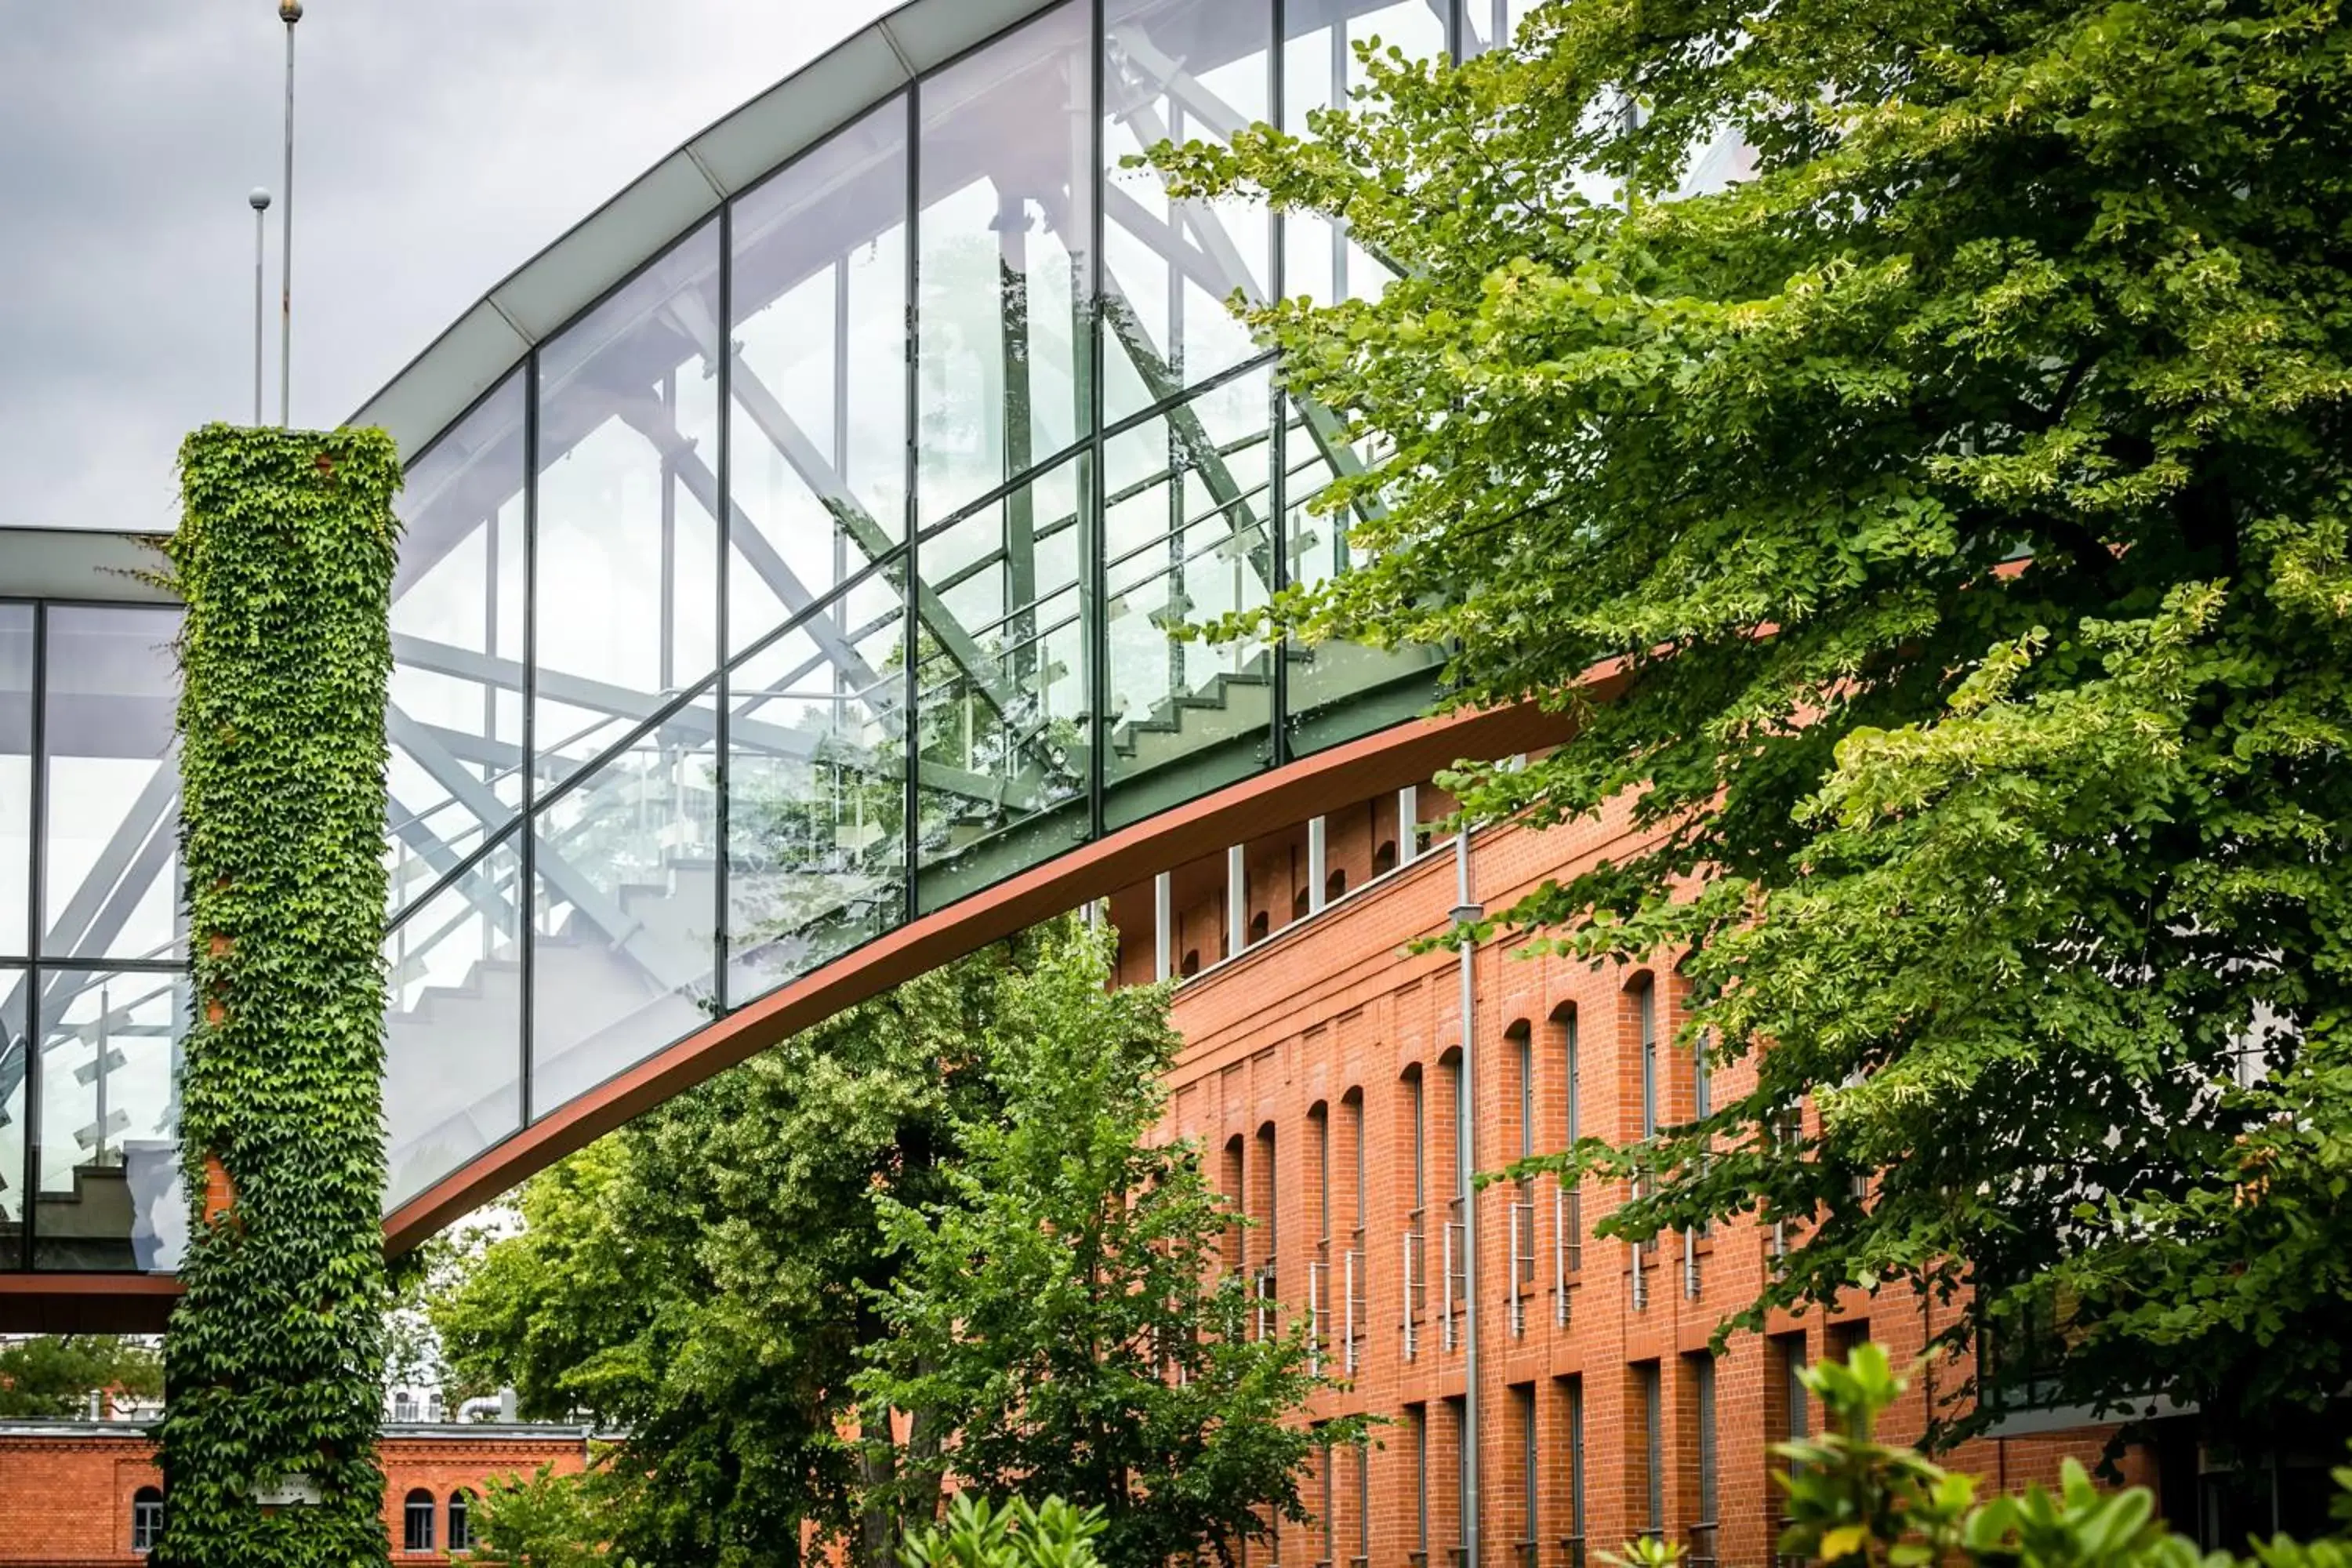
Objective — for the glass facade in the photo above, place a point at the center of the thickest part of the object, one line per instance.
(94, 1006)
(832, 567)
(835, 565)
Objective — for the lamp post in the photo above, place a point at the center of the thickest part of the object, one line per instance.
(259, 200)
(290, 12)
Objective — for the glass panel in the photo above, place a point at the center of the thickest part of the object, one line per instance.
(456, 724)
(1001, 684)
(453, 1032)
(1318, 69)
(626, 927)
(1007, 221)
(108, 1193)
(627, 552)
(1485, 21)
(816, 825)
(111, 879)
(1189, 540)
(1338, 691)
(1179, 70)
(14, 1174)
(820, 388)
(15, 776)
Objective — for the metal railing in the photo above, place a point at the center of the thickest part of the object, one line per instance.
(1701, 1539)
(1355, 1312)
(1572, 1551)
(1567, 1248)
(1457, 1277)
(1269, 1306)
(1527, 1553)
(1690, 1265)
(1416, 1279)
(1523, 1256)
(1316, 1275)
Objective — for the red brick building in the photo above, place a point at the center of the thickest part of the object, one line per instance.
(73, 1492)
(1322, 1071)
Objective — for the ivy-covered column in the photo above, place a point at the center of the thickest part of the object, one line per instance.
(273, 1364)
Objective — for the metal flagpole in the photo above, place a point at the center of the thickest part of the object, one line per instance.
(260, 199)
(290, 12)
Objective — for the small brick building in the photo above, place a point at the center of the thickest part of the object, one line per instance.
(81, 1492)
(1321, 1073)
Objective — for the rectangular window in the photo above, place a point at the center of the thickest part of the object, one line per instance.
(1327, 1518)
(1571, 1399)
(1524, 1049)
(1845, 1338)
(1363, 1504)
(1416, 1420)
(1650, 1396)
(1523, 1408)
(1457, 1426)
(1700, 1369)
(1647, 1003)
(1575, 1076)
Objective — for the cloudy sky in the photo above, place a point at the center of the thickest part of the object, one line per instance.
(440, 142)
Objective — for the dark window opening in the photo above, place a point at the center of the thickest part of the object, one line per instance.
(1191, 964)
(1384, 858)
(146, 1519)
(1298, 905)
(416, 1521)
(1335, 887)
(1260, 923)
(461, 1521)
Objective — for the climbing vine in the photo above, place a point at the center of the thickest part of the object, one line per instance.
(284, 558)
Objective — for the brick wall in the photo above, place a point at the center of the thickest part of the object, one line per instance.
(66, 1489)
(1313, 1043)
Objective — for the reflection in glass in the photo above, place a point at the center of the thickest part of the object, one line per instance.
(107, 1193)
(15, 1174)
(625, 933)
(1007, 171)
(112, 877)
(816, 824)
(1179, 70)
(458, 626)
(1002, 681)
(453, 1033)
(1485, 22)
(819, 378)
(15, 776)
(628, 536)
(1319, 68)
(1188, 538)
(1338, 691)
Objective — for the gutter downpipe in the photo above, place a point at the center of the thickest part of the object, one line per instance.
(1465, 910)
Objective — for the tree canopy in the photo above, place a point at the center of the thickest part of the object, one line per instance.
(54, 1374)
(748, 1281)
(1940, 529)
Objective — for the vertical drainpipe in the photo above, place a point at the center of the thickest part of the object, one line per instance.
(1465, 910)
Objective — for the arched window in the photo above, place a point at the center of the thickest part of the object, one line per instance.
(461, 1521)
(416, 1521)
(1191, 964)
(1258, 925)
(1384, 858)
(1335, 887)
(146, 1519)
(1298, 905)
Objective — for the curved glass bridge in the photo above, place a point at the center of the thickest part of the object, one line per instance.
(794, 559)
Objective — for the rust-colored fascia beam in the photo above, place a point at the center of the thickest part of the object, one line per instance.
(86, 1303)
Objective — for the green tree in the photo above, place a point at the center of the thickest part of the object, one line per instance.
(1940, 532)
(1061, 1307)
(53, 1374)
(704, 1277)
